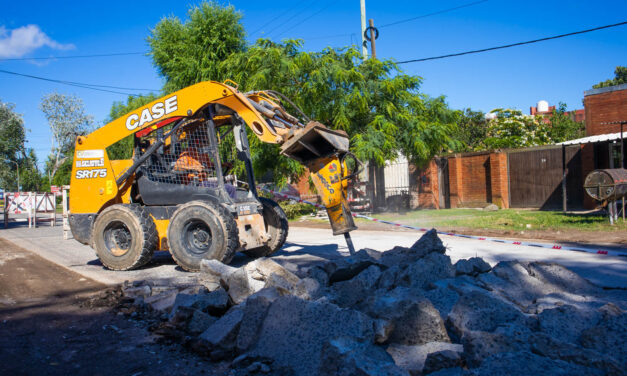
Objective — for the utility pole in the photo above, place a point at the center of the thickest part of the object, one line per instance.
(376, 174)
(364, 49)
(372, 38)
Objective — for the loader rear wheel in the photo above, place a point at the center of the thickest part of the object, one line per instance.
(201, 230)
(124, 237)
(276, 225)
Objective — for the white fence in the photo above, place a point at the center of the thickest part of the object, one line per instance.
(32, 204)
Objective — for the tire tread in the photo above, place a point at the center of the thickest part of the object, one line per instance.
(149, 233)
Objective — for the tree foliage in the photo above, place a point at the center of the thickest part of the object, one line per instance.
(472, 130)
(13, 153)
(512, 129)
(377, 104)
(67, 119)
(189, 52)
(562, 127)
(620, 77)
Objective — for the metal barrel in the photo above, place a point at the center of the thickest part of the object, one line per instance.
(606, 184)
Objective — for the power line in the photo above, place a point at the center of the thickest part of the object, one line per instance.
(77, 84)
(403, 21)
(433, 14)
(290, 18)
(74, 56)
(512, 45)
(274, 19)
(306, 18)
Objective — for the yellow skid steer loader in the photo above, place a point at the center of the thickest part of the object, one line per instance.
(178, 192)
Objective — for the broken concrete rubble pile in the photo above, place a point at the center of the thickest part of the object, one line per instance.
(407, 311)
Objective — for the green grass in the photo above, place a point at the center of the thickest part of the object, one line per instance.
(507, 219)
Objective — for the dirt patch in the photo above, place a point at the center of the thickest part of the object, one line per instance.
(56, 322)
(612, 239)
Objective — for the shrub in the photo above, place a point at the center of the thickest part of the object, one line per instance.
(294, 210)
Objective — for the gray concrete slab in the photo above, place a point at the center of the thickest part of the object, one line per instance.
(307, 246)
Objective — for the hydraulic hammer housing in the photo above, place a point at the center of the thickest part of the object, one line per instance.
(323, 151)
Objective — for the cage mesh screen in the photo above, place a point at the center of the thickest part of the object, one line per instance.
(185, 158)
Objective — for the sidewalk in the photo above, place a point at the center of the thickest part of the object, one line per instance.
(306, 246)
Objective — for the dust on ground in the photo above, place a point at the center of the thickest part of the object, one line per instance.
(56, 322)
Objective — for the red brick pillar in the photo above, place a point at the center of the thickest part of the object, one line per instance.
(435, 183)
(455, 180)
(499, 179)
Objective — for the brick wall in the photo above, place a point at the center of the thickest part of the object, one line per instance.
(605, 105)
(424, 186)
(478, 179)
(302, 185)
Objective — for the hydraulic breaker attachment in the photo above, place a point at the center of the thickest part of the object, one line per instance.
(324, 151)
(327, 175)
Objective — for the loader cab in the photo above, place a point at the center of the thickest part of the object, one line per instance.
(207, 158)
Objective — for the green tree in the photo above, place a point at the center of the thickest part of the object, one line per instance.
(562, 127)
(13, 153)
(620, 77)
(187, 53)
(67, 119)
(31, 178)
(472, 130)
(512, 129)
(379, 106)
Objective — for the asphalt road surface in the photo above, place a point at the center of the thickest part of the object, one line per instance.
(306, 246)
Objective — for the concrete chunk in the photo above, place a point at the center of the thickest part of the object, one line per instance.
(423, 272)
(412, 358)
(483, 312)
(295, 331)
(349, 293)
(472, 266)
(221, 336)
(347, 357)
(442, 359)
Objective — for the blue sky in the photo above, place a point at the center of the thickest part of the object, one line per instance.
(558, 70)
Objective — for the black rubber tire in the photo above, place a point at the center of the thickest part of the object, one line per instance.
(112, 230)
(276, 225)
(198, 222)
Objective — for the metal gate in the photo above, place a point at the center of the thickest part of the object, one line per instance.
(535, 177)
(396, 176)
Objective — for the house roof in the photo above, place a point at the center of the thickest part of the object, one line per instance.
(596, 138)
(606, 89)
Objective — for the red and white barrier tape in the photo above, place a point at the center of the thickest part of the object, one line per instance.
(504, 241)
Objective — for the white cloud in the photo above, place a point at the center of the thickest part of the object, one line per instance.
(23, 40)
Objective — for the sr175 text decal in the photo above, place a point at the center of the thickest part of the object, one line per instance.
(90, 174)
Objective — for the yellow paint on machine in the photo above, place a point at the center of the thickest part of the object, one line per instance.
(91, 191)
(326, 173)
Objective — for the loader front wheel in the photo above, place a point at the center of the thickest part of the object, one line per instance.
(276, 225)
(124, 237)
(201, 230)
